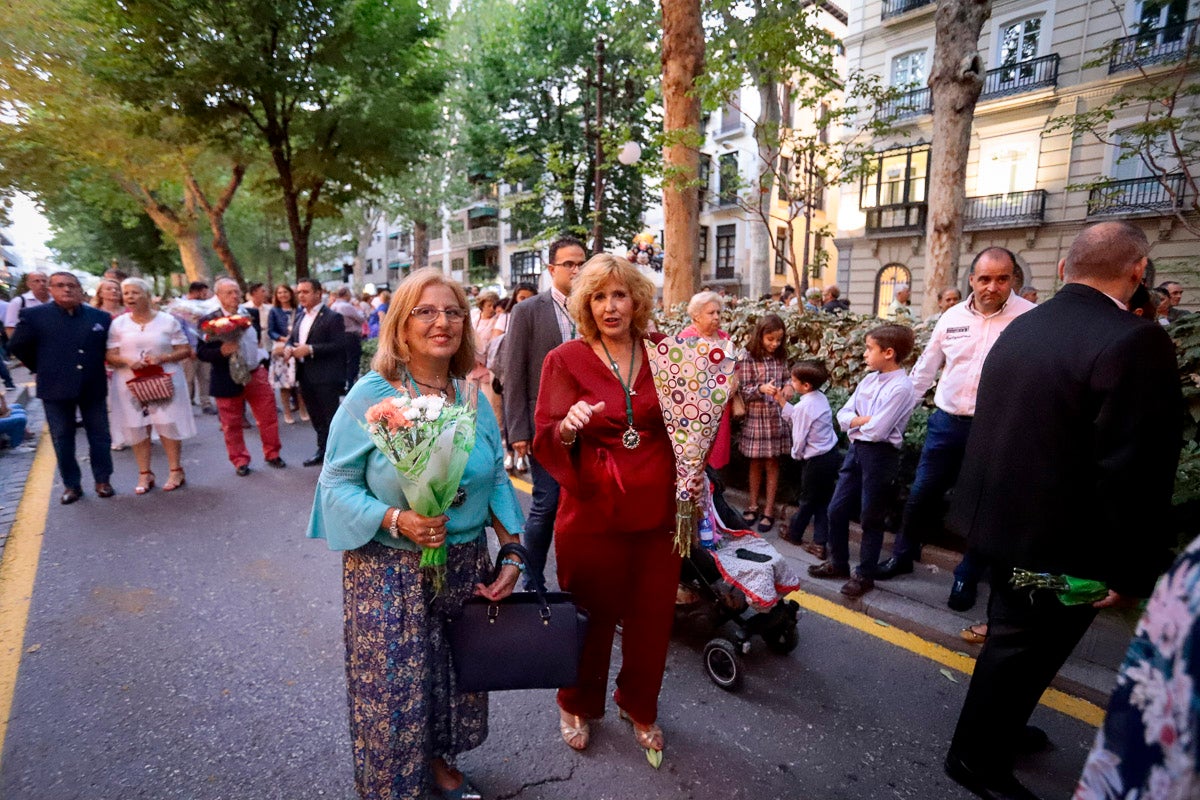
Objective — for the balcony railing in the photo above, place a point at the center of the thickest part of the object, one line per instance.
(476, 237)
(1139, 195)
(894, 8)
(900, 217)
(1023, 76)
(909, 104)
(1010, 210)
(1153, 46)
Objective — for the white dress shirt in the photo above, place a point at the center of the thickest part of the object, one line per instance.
(12, 314)
(960, 342)
(812, 425)
(885, 397)
(306, 323)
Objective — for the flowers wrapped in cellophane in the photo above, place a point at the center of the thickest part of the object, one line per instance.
(429, 441)
(225, 329)
(692, 379)
(1071, 591)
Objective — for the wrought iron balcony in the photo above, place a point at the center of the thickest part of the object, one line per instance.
(1009, 210)
(1023, 76)
(909, 104)
(900, 217)
(1139, 195)
(894, 8)
(1153, 46)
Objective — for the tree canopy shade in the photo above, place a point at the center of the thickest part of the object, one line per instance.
(340, 94)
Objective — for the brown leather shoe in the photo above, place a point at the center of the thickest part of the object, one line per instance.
(104, 490)
(826, 569)
(71, 495)
(857, 586)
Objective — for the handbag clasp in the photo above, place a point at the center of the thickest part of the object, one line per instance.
(493, 612)
(545, 614)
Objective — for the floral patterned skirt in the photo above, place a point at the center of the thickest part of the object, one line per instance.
(404, 708)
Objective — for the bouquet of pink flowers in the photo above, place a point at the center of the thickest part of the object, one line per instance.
(225, 329)
(429, 442)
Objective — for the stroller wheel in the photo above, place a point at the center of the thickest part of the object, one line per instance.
(782, 639)
(723, 664)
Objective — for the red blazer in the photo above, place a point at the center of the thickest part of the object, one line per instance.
(605, 488)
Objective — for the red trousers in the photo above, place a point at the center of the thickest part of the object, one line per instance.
(261, 398)
(628, 578)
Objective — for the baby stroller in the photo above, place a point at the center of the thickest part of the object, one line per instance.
(739, 588)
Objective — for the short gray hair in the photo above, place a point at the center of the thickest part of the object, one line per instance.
(140, 283)
(702, 299)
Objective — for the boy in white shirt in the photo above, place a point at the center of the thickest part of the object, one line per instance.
(814, 445)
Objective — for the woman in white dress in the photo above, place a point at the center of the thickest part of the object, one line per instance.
(143, 338)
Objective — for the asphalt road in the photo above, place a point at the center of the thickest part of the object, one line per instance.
(188, 645)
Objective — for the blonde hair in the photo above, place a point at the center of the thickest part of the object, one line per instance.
(595, 273)
(97, 300)
(393, 352)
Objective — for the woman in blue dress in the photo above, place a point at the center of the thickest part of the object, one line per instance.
(408, 721)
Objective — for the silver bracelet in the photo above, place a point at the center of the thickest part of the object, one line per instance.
(394, 527)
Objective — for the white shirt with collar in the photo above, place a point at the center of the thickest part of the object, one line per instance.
(306, 323)
(566, 325)
(12, 314)
(960, 343)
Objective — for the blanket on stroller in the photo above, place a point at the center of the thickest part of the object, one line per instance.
(751, 563)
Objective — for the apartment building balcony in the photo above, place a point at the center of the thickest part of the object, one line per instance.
(1155, 46)
(898, 218)
(1137, 196)
(910, 104)
(1008, 210)
(894, 8)
(1024, 76)
(475, 239)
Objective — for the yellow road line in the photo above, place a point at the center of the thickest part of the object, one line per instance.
(1060, 701)
(522, 486)
(18, 570)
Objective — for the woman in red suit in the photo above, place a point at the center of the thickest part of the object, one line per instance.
(600, 433)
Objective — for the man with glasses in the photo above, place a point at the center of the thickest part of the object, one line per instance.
(318, 343)
(64, 342)
(536, 327)
(39, 292)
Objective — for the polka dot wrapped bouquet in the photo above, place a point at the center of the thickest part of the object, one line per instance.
(693, 380)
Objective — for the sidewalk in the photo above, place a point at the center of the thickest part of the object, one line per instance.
(917, 603)
(15, 462)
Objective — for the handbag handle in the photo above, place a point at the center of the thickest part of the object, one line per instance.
(518, 549)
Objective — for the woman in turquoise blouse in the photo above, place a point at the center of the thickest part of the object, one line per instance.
(407, 719)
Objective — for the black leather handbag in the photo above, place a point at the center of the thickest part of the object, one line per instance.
(528, 640)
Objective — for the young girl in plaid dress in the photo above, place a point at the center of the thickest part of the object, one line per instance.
(764, 438)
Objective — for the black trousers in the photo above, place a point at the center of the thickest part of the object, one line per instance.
(60, 418)
(1027, 643)
(321, 399)
(353, 356)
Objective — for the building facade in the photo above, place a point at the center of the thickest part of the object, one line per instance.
(1028, 189)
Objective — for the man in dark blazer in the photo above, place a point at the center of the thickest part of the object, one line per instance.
(537, 326)
(1069, 470)
(318, 343)
(64, 342)
(232, 397)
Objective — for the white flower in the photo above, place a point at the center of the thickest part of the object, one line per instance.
(434, 407)
(412, 414)
(400, 402)
(1168, 616)
(420, 402)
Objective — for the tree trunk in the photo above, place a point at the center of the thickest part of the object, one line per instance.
(682, 62)
(216, 217)
(955, 82)
(420, 244)
(192, 255)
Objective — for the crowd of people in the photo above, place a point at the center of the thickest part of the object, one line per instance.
(1044, 447)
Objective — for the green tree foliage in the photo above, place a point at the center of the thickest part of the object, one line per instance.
(526, 95)
(91, 238)
(339, 94)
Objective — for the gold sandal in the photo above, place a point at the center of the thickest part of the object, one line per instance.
(973, 634)
(649, 738)
(574, 729)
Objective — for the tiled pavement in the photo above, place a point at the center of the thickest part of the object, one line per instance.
(15, 462)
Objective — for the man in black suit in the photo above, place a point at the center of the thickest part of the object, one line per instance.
(537, 326)
(1069, 470)
(64, 342)
(318, 343)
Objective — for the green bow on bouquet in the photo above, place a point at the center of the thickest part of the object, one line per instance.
(1071, 591)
